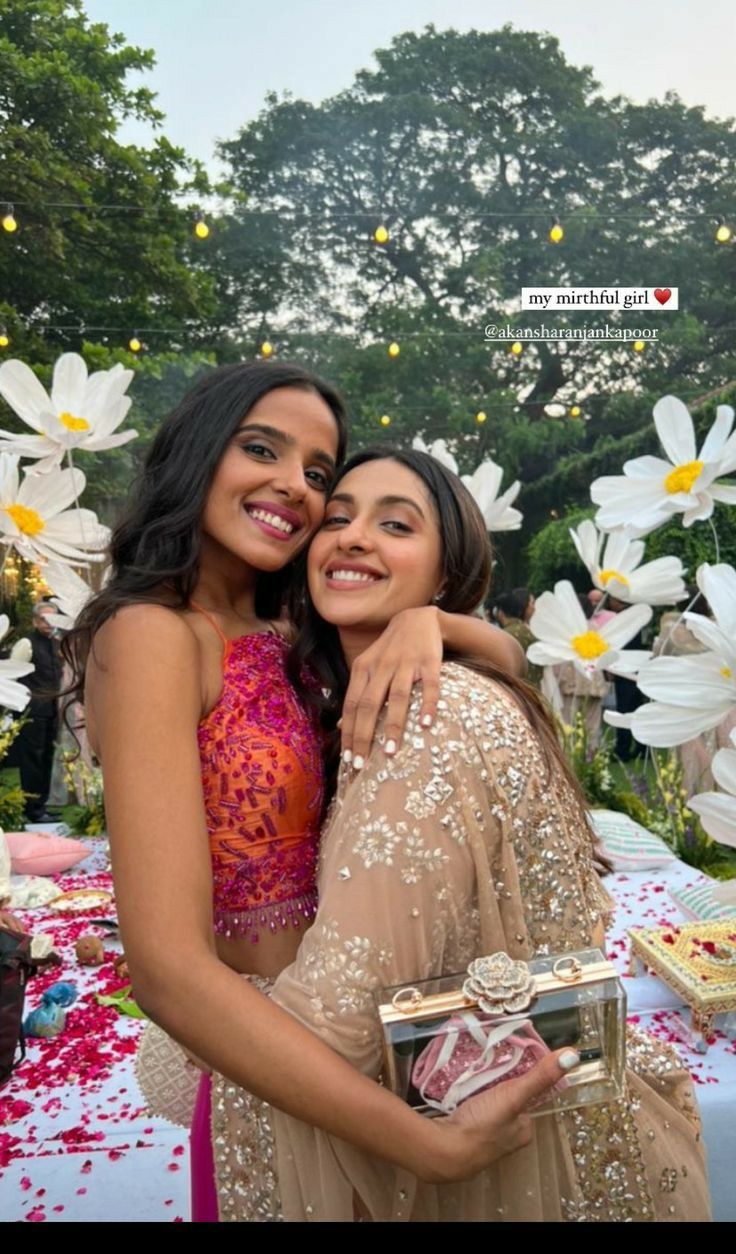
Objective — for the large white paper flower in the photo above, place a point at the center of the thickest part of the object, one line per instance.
(83, 411)
(68, 592)
(483, 485)
(652, 490)
(497, 511)
(565, 635)
(13, 696)
(717, 810)
(692, 694)
(620, 572)
(35, 518)
(438, 450)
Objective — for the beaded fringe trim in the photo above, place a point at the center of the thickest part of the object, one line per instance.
(254, 923)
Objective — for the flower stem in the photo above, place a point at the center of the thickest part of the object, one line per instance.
(715, 540)
(76, 499)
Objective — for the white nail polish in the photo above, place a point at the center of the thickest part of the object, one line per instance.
(347, 757)
(390, 746)
(427, 720)
(568, 1060)
(358, 762)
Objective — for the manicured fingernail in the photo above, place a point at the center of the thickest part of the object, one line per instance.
(358, 762)
(390, 746)
(427, 720)
(568, 1060)
(347, 757)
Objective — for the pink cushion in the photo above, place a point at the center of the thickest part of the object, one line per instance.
(40, 853)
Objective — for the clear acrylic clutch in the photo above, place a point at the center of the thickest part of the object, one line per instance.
(447, 1039)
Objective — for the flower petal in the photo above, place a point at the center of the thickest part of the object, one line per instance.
(657, 583)
(12, 695)
(50, 494)
(618, 631)
(26, 445)
(675, 429)
(629, 662)
(724, 492)
(23, 392)
(549, 653)
(724, 770)
(694, 681)
(95, 444)
(68, 387)
(587, 541)
(715, 441)
(665, 726)
(718, 585)
(700, 511)
(484, 484)
(570, 610)
(622, 553)
(717, 814)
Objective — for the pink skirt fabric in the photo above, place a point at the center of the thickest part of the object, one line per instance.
(204, 1191)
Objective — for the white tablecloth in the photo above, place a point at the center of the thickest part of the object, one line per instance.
(77, 1144)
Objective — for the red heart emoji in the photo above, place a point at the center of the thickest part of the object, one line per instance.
(662, 294)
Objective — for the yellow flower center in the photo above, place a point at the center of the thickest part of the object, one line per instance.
(590, 645)
(682, 478)
(25, 519)
(726, 672)
(606, 576)
(73, 424)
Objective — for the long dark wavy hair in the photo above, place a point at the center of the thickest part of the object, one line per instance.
(155, 548)
(466, 565)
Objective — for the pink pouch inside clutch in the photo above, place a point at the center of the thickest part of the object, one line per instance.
(471, 1053)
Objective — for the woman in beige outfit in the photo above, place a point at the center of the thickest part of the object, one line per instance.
(468, 840)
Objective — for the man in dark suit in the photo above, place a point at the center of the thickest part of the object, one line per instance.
(34, 748)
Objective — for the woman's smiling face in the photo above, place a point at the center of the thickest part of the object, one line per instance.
(378, 550)
(268, 493)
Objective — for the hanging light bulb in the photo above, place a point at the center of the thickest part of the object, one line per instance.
(9, 222)
(381, 235)
(385, 420)
(480, 416)
(266, 349)
(575, 411)
(556, 232)
(134, 343)
(517, 348)
(201, 229)
(393, 349)
(723, 232)
(4, 338)
(638, 346)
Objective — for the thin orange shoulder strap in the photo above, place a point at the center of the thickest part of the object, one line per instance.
(212, 623)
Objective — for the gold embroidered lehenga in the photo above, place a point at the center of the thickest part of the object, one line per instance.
(462, 844)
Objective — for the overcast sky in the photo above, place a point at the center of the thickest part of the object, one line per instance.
(216, 59)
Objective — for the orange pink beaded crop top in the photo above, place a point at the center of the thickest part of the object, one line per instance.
(262, 779)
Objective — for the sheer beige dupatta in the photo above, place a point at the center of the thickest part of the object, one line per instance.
(460, 846)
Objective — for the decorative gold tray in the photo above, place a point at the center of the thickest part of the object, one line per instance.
(697, 961)
(79, 900)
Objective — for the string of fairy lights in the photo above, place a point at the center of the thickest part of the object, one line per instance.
(380, 237)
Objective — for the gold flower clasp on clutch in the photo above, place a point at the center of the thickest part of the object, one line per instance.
(499, 984)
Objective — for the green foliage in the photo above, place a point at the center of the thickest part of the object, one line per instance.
(652, 794)
(86, 815)
(12, 797)
(551, 554)
(12, 802)
(429, 143)
(75, 259)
